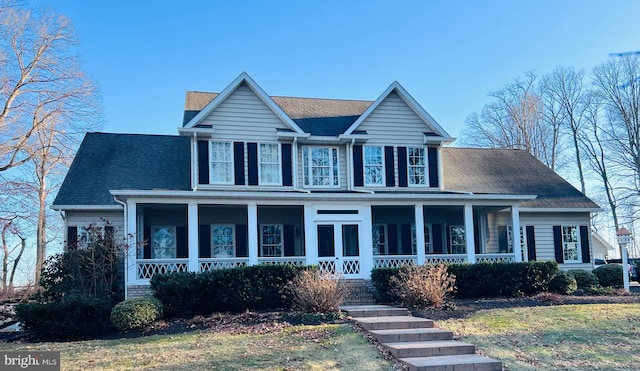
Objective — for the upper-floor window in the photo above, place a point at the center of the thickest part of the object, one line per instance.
(320, 166)
(417, 165)
(570, 244)
(373, 166)
(269, 160)
(221, 163)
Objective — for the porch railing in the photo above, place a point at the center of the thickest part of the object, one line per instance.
(394, 261)
(495, 258)
(293, 260)
(207, 264)
(147, 268)
(445, 258)
(348, 266)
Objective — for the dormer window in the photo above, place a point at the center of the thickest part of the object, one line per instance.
(320, 167)
(417, 166)
(221, 157)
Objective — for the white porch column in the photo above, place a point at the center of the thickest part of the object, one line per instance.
(515, 228)
(131, 233)
(310, 239)
(419, 219)
(468, 230)
(252, 226)
(192, 237)
(366, 243)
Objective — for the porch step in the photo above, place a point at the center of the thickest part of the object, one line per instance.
(374, 311)
(393, 322)
(470, 362)
(429, 348)
(413, 334)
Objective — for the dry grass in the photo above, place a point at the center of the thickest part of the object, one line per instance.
(571, 337)
(326, 347)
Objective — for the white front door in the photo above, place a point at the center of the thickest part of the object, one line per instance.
(338, 246)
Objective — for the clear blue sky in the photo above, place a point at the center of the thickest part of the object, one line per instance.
(448, 54)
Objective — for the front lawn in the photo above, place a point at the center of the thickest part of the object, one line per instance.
(324, 347)
(567, 337)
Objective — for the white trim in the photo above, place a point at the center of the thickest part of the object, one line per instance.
(559, 210)
(197, 132)
(235, 84)
(87, 207)
(430, 139)
(279, 163)
(409, 101)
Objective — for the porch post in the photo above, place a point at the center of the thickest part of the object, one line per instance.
(515, 228)
(192, 236)
(252, 225)
(366, 244)
(131, 233)
(468, 230)
(310, 238)
(419, 220)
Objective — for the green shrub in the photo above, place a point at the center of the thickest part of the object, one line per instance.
(423, 286)
(586, 280)
(136, 313)
(71, 319)
(609, 275)
(313, 292)
(482, 280)
(563, 283)
(258, 287)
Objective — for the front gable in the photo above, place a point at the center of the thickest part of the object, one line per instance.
(395, 117)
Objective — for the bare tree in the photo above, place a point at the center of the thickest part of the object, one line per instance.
(514, 119)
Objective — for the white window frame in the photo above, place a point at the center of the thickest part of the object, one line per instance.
(428, 238)
(425, 167)
(382, 246)
(523, 241)
(229, 163)
(307, 167)
(462, 246)
(565, 244)
(171, 246)
(366, 165)
(276, 164)
(274, 246)
(233, 240)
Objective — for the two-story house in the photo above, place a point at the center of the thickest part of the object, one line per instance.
(343, 184)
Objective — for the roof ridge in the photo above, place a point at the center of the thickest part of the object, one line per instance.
(293, 97)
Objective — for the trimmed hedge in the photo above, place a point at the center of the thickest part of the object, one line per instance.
(609, 275)
(136, 313)
(482, 280)
(563, 283)
(71, 319)
(585, 280)
(258, 287)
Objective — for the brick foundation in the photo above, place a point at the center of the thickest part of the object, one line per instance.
(358, 292)
(138, 291)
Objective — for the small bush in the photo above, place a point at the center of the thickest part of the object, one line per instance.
(423, 286)
(178, 292)
(71, 319)
(135, 313)
(563, 283)
(381, 279)
(586, 280)
(315, 292)
(609, 275)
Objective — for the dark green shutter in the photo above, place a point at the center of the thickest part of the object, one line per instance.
(72, 238)
(389, 167)
(203, 162)
(289, 240)
(584, 244)
(557, 243)
(287, 167)
(358, 167)
(182, 243)
(436, 229)
(238, 162)
(433, 167)
(393, 239)
(204, 241)
(252, 154)
(241, 241)
(503, 242)
(402, 167)
(405, 237)
(531, 243)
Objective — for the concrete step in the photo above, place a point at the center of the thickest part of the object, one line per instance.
(429, 348)
(374, 311)
(393, 322)
(469, 362)
(412, 334)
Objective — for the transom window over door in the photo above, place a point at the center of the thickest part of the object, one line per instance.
(373, 166)
(320, 166)
(417, 165)
(269, 159)
(221, 163)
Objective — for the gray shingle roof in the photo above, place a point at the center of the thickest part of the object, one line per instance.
(317, 116)
(125, 161)
(508, 171)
